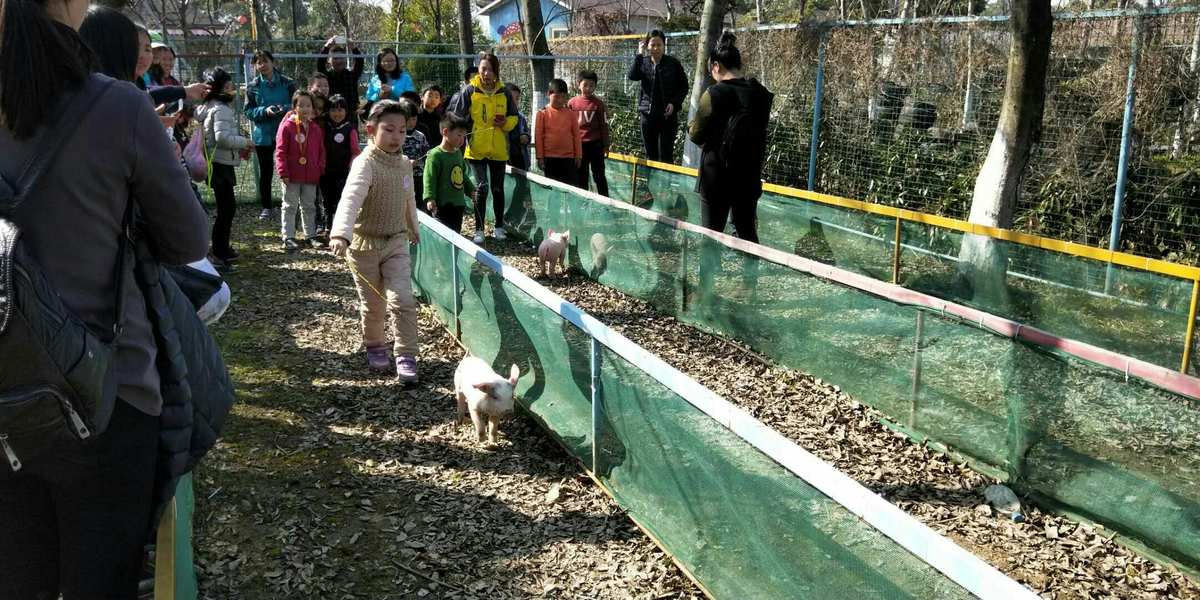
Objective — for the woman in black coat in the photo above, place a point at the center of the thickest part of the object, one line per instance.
(731, 128)
(664, 88)
(74, 518)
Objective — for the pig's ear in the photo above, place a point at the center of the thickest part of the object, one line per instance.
(549, 233)
(484, 387)
(513, 374)
(567, 234)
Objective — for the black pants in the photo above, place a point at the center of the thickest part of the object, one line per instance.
(593, 158)
(223, 182)
(488, 173)
(658, 135)
(715, 213)
(451, 216)
(266, 170)
(562, 169)
(331, 186)
(76, 521)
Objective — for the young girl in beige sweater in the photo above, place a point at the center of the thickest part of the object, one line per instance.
(376, 220)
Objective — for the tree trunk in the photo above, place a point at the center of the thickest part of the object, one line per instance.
(437, 19)
(466, 41)
(1183, 134)
(295, 24)
(395, 16)
(710, 32)
(262, 28)
(542, 69)
(758, 11)
(982, 260)
(968, 116)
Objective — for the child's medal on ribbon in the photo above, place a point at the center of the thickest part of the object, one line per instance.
(300, 139)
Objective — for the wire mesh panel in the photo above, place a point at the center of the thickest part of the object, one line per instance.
(1144, 315)
(740, 523)
(1078, 434)
(744, 525)
(908, 112)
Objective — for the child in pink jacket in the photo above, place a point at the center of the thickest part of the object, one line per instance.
(300, 162)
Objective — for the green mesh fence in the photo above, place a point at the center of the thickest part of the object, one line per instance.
(1116, 450)
(1144, 316)
(740, 523)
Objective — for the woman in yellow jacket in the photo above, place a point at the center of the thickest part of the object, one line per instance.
(486, 104)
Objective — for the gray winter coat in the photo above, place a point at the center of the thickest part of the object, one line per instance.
(222, 139)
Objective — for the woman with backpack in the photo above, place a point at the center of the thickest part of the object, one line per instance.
(225, 147)
(730, 126)
(73, 518)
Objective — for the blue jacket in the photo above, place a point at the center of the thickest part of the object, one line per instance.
(403, 84)
(261, 94)
(518, 153)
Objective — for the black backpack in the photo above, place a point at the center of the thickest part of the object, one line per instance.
(744, 142)
(57, 386)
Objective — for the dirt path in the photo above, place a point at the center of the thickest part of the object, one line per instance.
(333, 483)
(1052, 555)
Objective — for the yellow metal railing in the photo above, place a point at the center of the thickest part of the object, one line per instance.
(1124, 259)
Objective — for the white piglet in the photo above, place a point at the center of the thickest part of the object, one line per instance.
(553, 251)
(483, 393)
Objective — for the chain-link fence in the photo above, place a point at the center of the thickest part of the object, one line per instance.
(907, 111)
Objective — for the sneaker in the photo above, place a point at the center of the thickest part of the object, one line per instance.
(264, 215)
(406, 368)
(499, 234)
(320, 244)
(377, 358)
(478, 239)
(216, 261)
(305, 243)
(290, 246)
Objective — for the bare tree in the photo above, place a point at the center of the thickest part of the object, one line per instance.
(261, 28)
(536, 45)
(710, 31)
(982, 260)
(1183, 134)
(466, 41)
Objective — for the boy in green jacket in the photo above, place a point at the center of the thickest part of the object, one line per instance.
(446, 181)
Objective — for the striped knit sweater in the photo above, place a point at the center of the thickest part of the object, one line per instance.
(378, 202)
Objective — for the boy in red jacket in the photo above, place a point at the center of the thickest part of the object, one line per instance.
(593, 125)
(299, 162)
(558, 140)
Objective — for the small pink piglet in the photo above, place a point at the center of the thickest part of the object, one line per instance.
(553, 251)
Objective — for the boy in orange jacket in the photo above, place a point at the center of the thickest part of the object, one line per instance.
(557, 137)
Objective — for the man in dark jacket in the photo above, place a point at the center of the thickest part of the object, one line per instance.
(664, 89)
(342, 80)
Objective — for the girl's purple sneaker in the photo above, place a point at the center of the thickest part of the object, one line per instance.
(406, 368)
(377, 358)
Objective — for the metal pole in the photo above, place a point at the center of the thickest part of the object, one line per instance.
(454, 287)
(633, 185)
(597, 405)
(818, 96)
(916, 370)
(1114, 239)
(896, 255)
(1191, 328)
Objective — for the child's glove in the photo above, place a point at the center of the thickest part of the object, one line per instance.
(338, 246)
